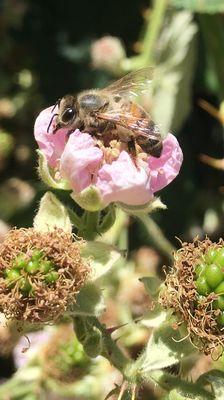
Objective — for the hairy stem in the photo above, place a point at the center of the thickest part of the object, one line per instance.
(157, 237)
(150, 38)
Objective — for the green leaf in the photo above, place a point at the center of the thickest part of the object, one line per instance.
(152, 285)
(102, 257)
(180, 389)
(52, 213)
(216, 379)
(89, 301)
(174, 72)
(201, 6)
(165, 347)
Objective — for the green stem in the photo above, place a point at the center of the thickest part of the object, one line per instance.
(90, 223)
(150, 38)
(111, 351)
(112, 236)
(84, 328)
(157, 237)
(75, 219)
(153, 30)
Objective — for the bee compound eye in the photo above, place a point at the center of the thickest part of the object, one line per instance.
(68, 115)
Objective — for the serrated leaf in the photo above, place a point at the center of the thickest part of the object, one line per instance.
(102, 257)
(201, 6)
(180, 389)
(165, 348)
(214, 377)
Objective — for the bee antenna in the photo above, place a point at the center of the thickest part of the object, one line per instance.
(56, 104)
(53, 116)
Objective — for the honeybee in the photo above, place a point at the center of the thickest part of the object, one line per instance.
(102, 112)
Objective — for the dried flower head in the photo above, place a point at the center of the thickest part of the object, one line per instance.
(63, 357)
(40, 274)
(194, 289)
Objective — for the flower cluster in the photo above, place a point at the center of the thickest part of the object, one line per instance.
(89, 166)
(40, 274)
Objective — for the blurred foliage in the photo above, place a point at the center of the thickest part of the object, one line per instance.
(46, 52)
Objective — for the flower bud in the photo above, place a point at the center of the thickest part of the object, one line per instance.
(194, 289)
(107, 53)
(40, 274)
(93, 343)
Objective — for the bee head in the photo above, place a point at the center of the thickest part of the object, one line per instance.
(67, 110)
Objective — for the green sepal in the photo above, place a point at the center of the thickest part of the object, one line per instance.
(152, 285)
(45, 173)
(155, 317)
(89, 301)
(108, 220)
(102, 257)
(147, 208)
(89, 199)
(51, 214)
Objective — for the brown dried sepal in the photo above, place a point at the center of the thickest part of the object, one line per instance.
(47, 302)
(180, 294)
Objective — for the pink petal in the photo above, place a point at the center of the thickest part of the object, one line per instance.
(80, 161)
(51, 144)
(164, 169)
(122, 181)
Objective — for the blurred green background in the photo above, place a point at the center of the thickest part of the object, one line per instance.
(50, 48)
(46, 52)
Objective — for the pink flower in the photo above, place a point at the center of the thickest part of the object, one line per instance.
(122, 181)
(165, 168)
(82, 163)
(51, 144)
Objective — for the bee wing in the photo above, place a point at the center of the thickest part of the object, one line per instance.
(141, 126)
(131, 84)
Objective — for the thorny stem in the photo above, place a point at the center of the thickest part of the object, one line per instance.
(157, 237)
(111, 350)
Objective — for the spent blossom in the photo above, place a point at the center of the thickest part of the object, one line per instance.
(88, 165)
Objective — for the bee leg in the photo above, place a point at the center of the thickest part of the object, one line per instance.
(132, 151)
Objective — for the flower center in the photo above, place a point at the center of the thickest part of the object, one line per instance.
(112, 149)
(25, 267)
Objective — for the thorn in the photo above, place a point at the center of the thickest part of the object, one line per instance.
(115, 328)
